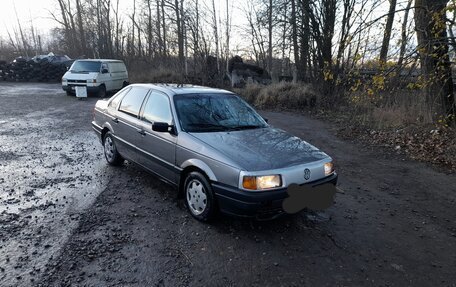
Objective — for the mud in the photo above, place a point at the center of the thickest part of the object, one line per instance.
(66, 218)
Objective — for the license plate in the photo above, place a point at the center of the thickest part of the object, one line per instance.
(81, 92)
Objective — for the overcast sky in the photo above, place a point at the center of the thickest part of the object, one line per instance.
(26, 10)
(36, 10)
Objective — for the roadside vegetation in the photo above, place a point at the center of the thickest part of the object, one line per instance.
(394, 118)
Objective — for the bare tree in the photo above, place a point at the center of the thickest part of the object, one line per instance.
(404, 34)
(215, 28)
(387, 32)
(270, 8)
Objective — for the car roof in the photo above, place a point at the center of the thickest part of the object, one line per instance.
(182, 89)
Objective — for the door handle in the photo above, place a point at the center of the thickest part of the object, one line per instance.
(141, 132)
(116, 120)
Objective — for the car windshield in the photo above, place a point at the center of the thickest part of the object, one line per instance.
(85, 67)
(215, 112)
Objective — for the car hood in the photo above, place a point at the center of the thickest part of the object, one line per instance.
(80, 76)
(262, 149)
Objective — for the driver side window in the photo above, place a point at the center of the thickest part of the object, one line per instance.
(104, 66)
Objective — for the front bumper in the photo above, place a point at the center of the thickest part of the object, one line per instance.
(259, 204)
(71, 88)
(98, 131)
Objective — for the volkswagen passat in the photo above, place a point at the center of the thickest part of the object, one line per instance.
(210, 144)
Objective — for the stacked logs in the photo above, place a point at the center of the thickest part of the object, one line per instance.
(23, 70)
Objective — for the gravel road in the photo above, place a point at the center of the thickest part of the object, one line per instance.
(67, 218)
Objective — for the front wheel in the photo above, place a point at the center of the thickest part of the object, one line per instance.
(102, 91)
(199, 197)
(110, 151)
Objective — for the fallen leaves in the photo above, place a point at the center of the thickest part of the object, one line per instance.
(436, 146)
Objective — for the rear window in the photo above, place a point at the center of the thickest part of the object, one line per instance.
(131, 103)
(85, 67)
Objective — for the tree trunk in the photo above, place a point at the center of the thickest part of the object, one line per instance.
(165, 51)
(81, 28)
(435, 62)
(294, 35)
(158, 27)
(304, 41)
(215, 27)
(228, 29)
(270, 37)
(387, 33)
(404, 34)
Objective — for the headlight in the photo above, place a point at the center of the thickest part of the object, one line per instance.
(64, 80)
(329, 168)
(92, 81)
(261, 182)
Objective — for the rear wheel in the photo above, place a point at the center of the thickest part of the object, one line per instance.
(70, 94)
(199, 197)
(110, 151)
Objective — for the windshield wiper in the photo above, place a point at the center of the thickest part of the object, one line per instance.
(209, 126)
(245, 127)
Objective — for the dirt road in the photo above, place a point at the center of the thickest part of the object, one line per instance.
(66, 218)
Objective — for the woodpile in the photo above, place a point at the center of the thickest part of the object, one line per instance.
(23, 70)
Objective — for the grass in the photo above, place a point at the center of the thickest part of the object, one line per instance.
(280, 96)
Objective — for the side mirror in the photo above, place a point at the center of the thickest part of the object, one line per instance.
(104, 71)
(162, 127)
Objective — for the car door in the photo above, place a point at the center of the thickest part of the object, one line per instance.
(105, 76)
(115, 76)
(127, 125)
(159, 148)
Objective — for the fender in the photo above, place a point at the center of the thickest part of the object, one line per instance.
(108, 126)
(201, 165)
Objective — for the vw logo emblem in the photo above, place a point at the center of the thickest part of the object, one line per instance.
(306, 174)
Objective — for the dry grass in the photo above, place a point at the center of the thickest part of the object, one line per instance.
(160, 75)
(280, 96)
(388, 109)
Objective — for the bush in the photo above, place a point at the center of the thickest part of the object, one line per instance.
(279, 96)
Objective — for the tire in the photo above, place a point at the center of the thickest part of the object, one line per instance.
(69, 94)
(102, 91)
(199, 197)
(110, 151)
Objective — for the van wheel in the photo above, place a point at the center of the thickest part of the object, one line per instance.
(69, 94)
(102, 91)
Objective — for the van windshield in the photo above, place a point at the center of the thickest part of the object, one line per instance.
(85, 67)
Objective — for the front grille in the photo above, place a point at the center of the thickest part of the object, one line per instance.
(77, 81)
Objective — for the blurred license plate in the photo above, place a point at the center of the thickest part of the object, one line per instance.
(81, 92)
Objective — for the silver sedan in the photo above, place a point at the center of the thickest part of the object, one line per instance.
(210, 144)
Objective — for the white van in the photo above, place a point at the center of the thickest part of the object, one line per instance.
(97, 76)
